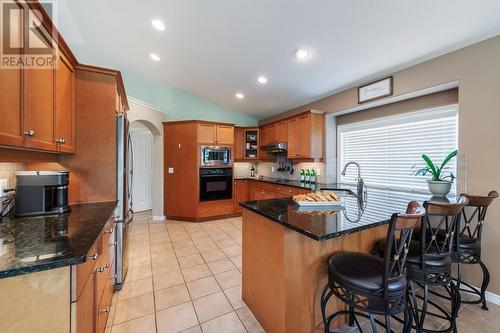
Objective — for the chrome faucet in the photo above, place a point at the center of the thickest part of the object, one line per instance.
(361, 192)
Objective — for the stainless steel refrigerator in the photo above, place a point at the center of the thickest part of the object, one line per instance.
(124, 213)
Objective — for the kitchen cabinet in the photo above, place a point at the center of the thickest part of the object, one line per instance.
(306, 136)
(215, 208)
(281, 131)
(85, 310)
(240, 194)
(270, 134)
(215, 134)
(239, 144)
(65, 105)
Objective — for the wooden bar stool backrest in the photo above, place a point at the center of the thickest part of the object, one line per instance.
(475, 213)
(398, 238)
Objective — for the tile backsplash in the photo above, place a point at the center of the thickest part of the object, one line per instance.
(8, 171)
(266, 169)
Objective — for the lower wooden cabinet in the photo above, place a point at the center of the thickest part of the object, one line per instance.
(215, 208)
(240, 194)
(95, 282)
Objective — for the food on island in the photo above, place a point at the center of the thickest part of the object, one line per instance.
(316, 197)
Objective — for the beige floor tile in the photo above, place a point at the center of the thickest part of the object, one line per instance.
(166, 280)
(237, 261)
(220, 266)
(249, 321)
(157, 257)
(178, 244)
(192, 260)
(211, 306)
(232, 251)
(207, 246)
(132, 308)
(219, 236)
(186, 251)
(203, 287)
(226, 242)
(144, 324)
(228, 323)
(213, 255)
(171, 296)
(229, 279)
(176, 318)
(136, 288)
(234, 296)
(195, 329)
(164, 247)
(165, 266)
(159, 240)
(139, 261)
(111, 315)
(196, 272)
(139, 272)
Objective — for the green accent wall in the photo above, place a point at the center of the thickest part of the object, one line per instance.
(181, 105)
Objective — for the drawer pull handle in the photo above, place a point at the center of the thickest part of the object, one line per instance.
(106, 309)
(109, 231)
(94, 257)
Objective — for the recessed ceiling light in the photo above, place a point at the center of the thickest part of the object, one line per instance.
(154, 56)
(302, 54)
(158, 25)
(262, 79)
(239, 96)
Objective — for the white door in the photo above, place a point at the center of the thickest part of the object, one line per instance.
(142, 144)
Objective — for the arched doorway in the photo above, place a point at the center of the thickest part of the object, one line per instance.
(142, 146)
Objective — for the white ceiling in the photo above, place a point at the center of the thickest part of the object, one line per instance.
(215, 48)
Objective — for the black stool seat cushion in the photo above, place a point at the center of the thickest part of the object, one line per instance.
(362, 272)
(469, 243)
(414, 258)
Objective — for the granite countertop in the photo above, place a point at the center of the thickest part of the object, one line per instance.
(31, 244)
(323, 224)
(287, 182)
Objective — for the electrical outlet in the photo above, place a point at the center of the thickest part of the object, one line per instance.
(318, 172)
(3, 185)
(170, 170)
(272, 169)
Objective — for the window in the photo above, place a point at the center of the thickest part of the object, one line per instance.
(388, 148)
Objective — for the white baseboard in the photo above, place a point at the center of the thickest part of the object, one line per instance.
(159, 218)
(493, 298)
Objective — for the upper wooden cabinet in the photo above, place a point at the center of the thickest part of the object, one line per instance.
(215, 134)
(306, 136)
(239, 144)
(292, 139)
(65, 105)
(246, 143)
(281, 131)
(270, 134)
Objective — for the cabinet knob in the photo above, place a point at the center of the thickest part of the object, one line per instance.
(63, 141)
(108, 231)
(29, 133)
(94, 257)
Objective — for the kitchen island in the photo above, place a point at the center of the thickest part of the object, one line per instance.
(285, 251)
(45, 267)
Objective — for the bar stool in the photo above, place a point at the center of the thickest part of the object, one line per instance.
(468, 251)
(370, 284)
(429, 261)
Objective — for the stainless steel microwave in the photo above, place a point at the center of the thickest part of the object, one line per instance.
(215, 156)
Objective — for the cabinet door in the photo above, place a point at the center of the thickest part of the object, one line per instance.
(271, 134)
(39, 106)
(65, 105)
(207, 134)
(292, 138)
(240, 194)
(304, 135)
(11, 87)
(281, 132)
(86, 307)
(225, 135)
(239, 144)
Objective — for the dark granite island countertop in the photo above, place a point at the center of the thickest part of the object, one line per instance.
(321, 224)
(32, 244)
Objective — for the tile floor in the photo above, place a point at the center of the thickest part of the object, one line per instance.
(186, 277)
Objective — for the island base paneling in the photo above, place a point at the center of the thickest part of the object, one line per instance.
(284, 272)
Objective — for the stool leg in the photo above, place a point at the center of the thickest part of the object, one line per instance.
(351, 316)
(459, 282)
(455, 305)
(424, 306)
(484, 285)
(325, 296)
(408, 318)
(372, 322)
(415, 307)
(388, 324)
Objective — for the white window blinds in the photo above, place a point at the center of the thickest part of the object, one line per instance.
(388, 148)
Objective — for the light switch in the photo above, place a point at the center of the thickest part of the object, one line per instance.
(170, 170)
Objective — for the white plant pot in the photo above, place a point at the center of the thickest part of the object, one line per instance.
(440, 188)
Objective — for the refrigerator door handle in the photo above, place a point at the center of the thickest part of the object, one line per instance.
(130, 185)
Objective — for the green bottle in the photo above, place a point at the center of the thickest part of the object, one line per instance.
(313, 177)
(302, 176)
(308, 176)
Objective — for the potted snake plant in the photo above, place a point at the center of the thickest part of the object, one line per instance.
(441, 180)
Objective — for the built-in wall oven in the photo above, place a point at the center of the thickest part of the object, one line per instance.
(216, 184)
(215, 156)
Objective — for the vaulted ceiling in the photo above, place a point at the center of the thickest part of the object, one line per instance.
(217, 48)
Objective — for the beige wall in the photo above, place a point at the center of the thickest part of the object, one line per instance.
(477, 69)
(153, 119)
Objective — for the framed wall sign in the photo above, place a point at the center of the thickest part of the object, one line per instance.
(375, 90)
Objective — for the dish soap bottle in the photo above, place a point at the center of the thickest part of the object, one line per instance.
(252, 171)
(313, 177)
(308, 176)
(302, 176)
